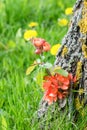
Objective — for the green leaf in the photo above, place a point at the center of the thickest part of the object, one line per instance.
(58, 70)
(60, 4)
(11, 44)
(19, 33)
(47, 65)
(30, 69)
(1, 102)
(2, 46)
(39, 77)
(52, 70)
(4, 123)
(62, 72)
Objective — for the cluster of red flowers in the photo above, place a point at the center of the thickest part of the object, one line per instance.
(56, 87)
(41, 45)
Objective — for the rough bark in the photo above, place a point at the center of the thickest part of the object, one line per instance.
(72, 56)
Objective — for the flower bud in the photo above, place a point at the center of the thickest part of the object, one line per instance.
(38, 42)
(38, 51)
(46, 47)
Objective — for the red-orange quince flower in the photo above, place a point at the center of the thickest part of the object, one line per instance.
(41, 45)
(56, 87)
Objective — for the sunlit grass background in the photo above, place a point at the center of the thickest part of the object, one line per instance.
(19, 94)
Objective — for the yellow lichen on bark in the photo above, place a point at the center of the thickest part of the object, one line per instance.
(81, 91)
(84, 49)
(65, 51)
(78, 104)
(85, 3)
(83, 22)
(83, 25)
(79, 70)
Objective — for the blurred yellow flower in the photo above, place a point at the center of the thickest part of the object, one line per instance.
(33, 24)
(69, 11)
(55, 49)
(30, 34)
(62, 22)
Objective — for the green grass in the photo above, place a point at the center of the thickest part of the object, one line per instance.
(19, 94)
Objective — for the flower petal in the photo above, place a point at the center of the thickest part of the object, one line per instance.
(46, 85)
(55, 49)
(64, 87)
(33, 24)
(29, 34)
(62, 22)
(69, 11)
(60, 95)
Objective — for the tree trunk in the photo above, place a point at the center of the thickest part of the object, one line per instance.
(72, 57)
